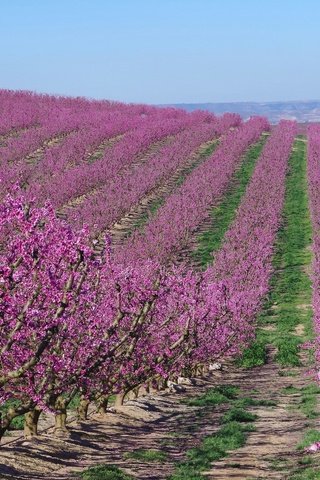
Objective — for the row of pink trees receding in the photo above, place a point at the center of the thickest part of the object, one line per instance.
(75, 323)
(63, 170)
(80, 179)
(19, 110)
(314, 196)
(73, 132)
(80, 127)
(170, 229)
(72, 322)
(115, 198)
(244, 262)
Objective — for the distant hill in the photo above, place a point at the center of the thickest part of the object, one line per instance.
(302, 111)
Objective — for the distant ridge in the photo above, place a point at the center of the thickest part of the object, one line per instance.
(302, 111)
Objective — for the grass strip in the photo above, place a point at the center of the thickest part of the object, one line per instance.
(105, 472)
(307, 474)
(309, 401)
(308, 466)
(286, 318)
(235, 425)
(223, 215)
(214, 396)
(147, 455)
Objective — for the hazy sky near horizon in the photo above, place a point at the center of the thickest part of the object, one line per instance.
(163, 51)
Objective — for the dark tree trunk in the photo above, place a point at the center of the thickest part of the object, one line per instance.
(5, 420)
(119, 399)
(103, 404)
(31, 420)
(82, 409)
(60, 418)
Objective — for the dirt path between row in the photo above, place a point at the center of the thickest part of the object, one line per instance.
(120, 231)
(37, 155)
(141, 159)
(271, 450)
(163, 422)
(16, 132)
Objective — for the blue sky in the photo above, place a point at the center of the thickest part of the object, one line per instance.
(163, 51)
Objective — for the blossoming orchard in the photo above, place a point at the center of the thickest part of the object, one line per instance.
(152, 255)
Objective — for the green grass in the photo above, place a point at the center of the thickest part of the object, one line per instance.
(306, 469)
(214, 396)
(236, 423)
(310, 437)
(105, 472)
(279, 464)
(287, 373)
(254, 356)
(305, 461)
(307, 474)
(145, 218)
(229, 437)
(309, 399)
(288, 303)
(237, 414)
(223, 215)
(147, 455)
(18, 422)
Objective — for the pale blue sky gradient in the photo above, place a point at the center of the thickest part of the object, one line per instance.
(163, 51)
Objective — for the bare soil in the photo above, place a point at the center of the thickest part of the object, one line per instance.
(98, 153)
(121, 229)
(163, 422)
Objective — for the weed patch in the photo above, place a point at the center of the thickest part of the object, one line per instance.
(147, 455)
(290, 285)
(105, 472)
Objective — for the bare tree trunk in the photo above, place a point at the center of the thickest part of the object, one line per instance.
(136, 392)
(31, 422)
(60, 418)
(103, 404)
(5, 420)
(197, 371)
(143, 390)
(187, 372)
(205, 369)
(119, 399)
(161, 384)
(82, 409)
(133, 394)
(152, 387)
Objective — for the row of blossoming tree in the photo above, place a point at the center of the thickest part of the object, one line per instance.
(314, 196)
(55, 292)
(78, 127)
(74, 323)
